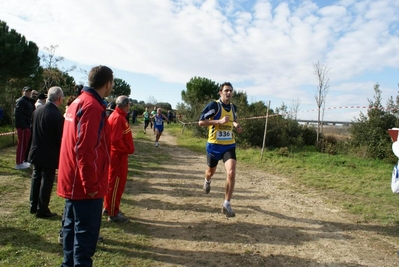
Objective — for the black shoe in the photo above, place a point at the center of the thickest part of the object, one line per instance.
(46, 215)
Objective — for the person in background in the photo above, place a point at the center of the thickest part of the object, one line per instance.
(69, 101)
(45, 151)
(110, 108)
(147, 119)
(34, 96)
(41, 100)
(121, 146)
(170, 116)
(33, 99)
(221, 118)
(78, 89)
(134, 116)
(23, 114)
(158, 119)
(153, 113)
(83, 168)
(128, 116)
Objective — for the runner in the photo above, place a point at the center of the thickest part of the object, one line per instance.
(146, 116)
(153, 113)
(220, 118)
(158, 125)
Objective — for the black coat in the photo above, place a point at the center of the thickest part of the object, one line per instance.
(47, 126)
(23, 112)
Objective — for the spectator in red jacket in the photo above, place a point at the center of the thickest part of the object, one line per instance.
(121, 146)
(83, 168)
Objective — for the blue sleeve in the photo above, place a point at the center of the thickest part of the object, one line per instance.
(209, 111)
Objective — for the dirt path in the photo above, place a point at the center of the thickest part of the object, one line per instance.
(275, 225)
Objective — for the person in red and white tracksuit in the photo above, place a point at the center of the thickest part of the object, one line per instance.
(121, 146)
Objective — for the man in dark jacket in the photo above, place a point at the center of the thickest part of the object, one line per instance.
(23, 114)
(45, 151)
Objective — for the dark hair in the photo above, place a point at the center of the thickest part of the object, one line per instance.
(111, 105)
(70, 99)
(223, 84)
(100, 76)
(78, 89)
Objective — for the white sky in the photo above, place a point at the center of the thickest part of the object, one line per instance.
(265, 48)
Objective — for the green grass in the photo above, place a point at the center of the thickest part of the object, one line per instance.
(360, 186)
(7, 140)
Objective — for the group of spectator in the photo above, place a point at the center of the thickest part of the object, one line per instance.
(89, 146)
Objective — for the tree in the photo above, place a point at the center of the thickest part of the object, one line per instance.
(19, 63)
(52, 74)
(152, 100)
(199, 90)
(18, 57)
(321, 72)
(121, 87)
(164, 106)
(294, 108)
(282, 110)
(370, 131)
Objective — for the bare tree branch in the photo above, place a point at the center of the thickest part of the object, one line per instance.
(321, 72)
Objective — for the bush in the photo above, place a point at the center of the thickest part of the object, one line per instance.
(283, 151)
(327, 144)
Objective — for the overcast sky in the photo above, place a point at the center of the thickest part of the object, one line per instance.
(265, 48)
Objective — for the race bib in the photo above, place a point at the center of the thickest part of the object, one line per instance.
(224, 135)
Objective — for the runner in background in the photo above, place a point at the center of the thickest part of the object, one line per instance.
(153, 113)
(158, 119)
(147, 119)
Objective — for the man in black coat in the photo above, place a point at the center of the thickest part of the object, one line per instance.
(45, 151)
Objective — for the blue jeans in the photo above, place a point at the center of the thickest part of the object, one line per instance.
(82, 221)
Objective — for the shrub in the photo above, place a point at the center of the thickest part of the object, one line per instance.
(283, 151)
(327, 144)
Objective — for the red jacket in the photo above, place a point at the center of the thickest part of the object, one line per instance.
(84, 156)
(121, 135)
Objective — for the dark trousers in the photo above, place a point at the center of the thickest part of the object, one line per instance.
(82, 221)
(146, 122)
(40, 191)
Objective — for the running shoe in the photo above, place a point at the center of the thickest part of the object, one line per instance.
(226, 209)
(21, 166)
(207, 187)
(156, 144)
